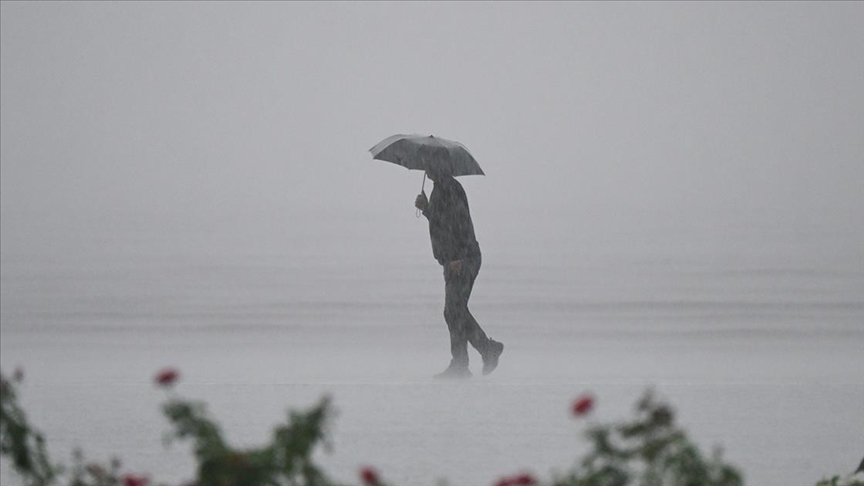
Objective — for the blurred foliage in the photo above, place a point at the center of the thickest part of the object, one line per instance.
(287, 460)
(23, 445)
(648, 450)
(838, 481)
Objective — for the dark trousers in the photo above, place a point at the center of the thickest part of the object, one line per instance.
(462, 325)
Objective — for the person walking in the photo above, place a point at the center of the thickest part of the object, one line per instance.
(455, 247)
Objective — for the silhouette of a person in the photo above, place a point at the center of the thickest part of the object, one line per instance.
(456, 249)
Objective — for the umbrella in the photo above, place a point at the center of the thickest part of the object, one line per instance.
(420, 152)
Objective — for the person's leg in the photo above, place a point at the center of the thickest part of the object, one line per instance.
(463, 327)
(489, 349)
(454, 303)
(472, 330)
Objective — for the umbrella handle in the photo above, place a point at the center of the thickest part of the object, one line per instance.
(417, 212)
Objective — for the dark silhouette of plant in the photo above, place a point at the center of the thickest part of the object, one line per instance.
(648, 450)
(286, 460)
(24, 445)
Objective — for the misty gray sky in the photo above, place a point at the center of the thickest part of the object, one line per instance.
(583, 115)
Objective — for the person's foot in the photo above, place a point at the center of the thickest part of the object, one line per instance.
(455, 371)
(490, 359)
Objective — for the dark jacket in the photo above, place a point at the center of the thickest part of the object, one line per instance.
(450, 226)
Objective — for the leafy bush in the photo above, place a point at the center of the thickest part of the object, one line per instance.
(21, 443)
(648, 450)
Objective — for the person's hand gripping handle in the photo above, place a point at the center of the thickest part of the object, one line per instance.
(421, 203)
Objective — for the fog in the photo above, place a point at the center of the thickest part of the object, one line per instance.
(587, 118)
(674, 196)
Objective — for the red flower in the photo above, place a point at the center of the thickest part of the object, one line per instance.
(524, 480)
(520, 480)
(369, 476)
(583, 405)
(133, 480)
(167, 377)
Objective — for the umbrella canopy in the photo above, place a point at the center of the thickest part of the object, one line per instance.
(421, 152)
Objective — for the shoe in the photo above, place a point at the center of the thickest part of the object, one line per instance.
(490, 359)
(455, 371)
